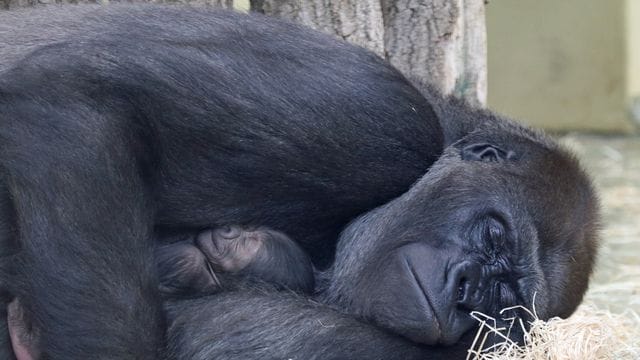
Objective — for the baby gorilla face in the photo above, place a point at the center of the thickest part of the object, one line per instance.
(231, 248)
(204, 263)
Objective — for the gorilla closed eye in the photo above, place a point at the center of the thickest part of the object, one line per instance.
(491, 232)
(486, 152)
(495, 233)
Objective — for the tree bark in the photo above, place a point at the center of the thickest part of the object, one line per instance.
(442, 42)
(357, 21)
(11, 4)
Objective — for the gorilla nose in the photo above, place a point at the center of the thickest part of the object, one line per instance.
(464, 286)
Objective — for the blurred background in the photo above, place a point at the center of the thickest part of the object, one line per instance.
(571, 67)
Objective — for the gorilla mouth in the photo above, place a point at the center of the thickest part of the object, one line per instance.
(430, 312)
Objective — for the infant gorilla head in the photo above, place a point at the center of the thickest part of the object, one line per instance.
(205, 262)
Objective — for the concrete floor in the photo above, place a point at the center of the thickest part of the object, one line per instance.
(614, 163)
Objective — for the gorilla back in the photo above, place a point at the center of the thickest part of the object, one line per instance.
(217, 102)
(124, 118)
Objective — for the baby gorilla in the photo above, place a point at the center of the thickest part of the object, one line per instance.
(203, 263)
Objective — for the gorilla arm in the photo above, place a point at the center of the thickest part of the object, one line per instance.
(87, 280)
(259, 323)
(254, 323)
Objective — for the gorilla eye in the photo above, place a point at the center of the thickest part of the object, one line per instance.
(495, 234)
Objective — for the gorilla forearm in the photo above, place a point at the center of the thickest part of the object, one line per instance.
(69, 296)
(263, 324)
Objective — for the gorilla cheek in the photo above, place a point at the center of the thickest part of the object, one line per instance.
(415, 298)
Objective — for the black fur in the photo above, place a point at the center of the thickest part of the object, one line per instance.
(120, 121)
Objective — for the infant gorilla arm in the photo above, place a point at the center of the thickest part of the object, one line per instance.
(213, 258)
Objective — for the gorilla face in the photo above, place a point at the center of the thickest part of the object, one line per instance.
(493, 224)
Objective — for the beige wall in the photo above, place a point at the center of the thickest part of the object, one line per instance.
(633, 55)
(633, 45)
(242, 5)
(562, 64)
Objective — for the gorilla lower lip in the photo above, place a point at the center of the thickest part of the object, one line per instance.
(429, 306)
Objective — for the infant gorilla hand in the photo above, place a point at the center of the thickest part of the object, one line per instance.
(204, 263)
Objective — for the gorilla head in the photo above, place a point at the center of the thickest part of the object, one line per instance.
(502, 217)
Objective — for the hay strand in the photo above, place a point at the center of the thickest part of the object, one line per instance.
(588, 334)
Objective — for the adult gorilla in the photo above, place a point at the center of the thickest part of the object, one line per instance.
(117, 122)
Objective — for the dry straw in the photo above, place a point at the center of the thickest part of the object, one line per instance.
(588, 334)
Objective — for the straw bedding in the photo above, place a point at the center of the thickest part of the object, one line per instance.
(590, 333)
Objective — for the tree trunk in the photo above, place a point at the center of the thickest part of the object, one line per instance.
(443, 41)
(357, 21)
(11, 4)
(439, 41)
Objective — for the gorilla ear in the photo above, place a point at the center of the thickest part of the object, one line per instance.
(486, 152)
